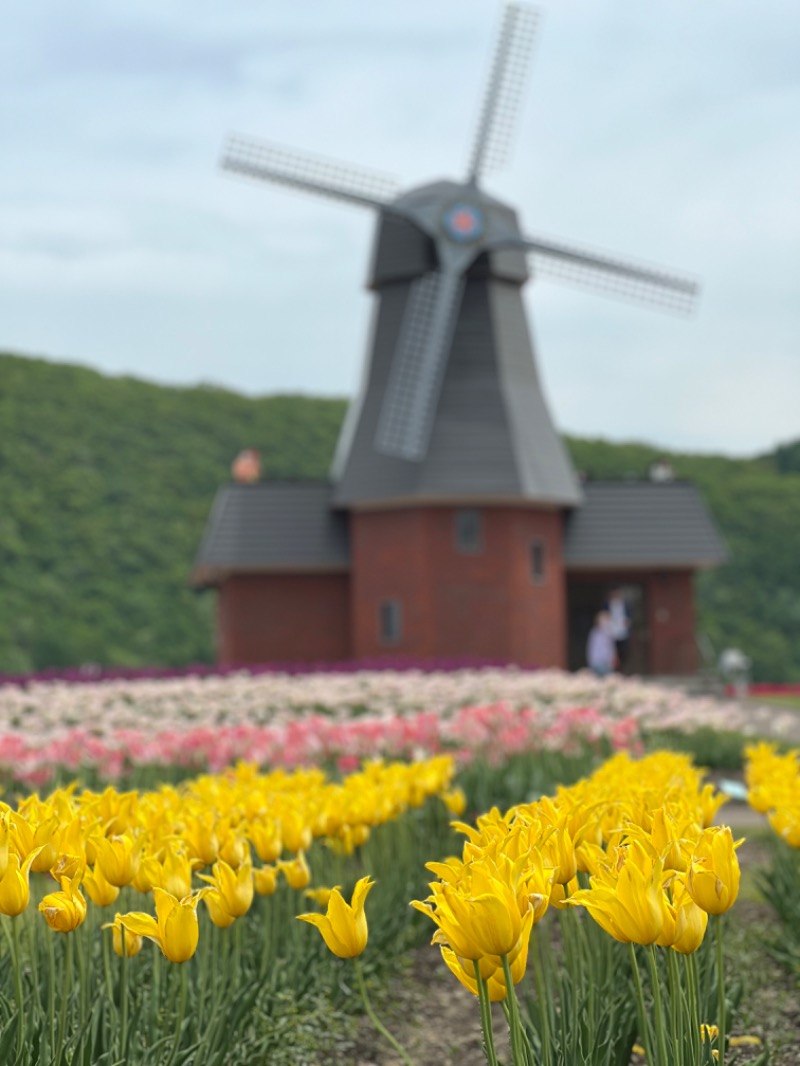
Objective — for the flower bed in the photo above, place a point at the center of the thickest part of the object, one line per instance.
(115, 726)
(215, 873)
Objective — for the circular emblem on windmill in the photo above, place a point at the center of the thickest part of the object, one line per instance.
(463, 222)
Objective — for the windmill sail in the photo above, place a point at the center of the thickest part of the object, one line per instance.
(415, 379)
(309, 173)
(504, 90)
(614, 276)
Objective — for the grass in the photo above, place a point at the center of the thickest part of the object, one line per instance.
(786, 703)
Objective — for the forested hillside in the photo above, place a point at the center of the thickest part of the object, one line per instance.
(106, 483)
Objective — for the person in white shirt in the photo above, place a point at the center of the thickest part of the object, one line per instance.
(620, 624)
(601, 651)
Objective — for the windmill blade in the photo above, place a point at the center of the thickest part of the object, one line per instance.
(300, 170)
(504, 89)
(617, 277)
(418, 365)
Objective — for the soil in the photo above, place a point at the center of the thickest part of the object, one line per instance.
(433, 1017)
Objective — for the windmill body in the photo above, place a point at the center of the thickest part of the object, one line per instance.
(491, 438)
(448, 523)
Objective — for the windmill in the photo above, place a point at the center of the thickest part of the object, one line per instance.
(450, 406)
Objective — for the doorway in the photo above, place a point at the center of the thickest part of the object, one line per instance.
(588, 594)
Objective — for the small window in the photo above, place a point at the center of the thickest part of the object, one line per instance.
(469, 531)
(538, 562)
(390, 621)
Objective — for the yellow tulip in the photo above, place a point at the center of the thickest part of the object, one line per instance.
(142, 881)
(691, 922)
(560, 894)
(201, 838)
(296, 832)
(455, 801)
(3, 845)
(296, 872)
(27, 837)
(217, 912)
(173, 874)
(629, 903)
(118, 857)
(347, 838)
(559, 853)
(100, 891)
(321, 895)
(266, 839)
(535, 886)
(480, 916)
(125, 942)
(344, 925)
(668, 840)
(67, 866)
(234, 887)
(491, 966)
(709, 803)
(786, 823)
(265, 880)
(234, 850)
(713, 877)
(15, 890)
(65, 910)
(174, 928)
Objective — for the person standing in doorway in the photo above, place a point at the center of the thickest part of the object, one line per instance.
(601, 652)
(620, 625)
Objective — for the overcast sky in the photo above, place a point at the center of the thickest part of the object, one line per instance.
(667, 132)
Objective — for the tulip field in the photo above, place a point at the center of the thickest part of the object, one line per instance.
(231, 870)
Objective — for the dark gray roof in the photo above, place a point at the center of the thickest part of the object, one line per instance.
(292, 526)
(641, 524)
(272, 526)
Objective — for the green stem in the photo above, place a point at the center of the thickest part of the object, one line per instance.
(266, 947)
(155, 993)
(236, 969)
(694, 1010)
(83, 986)
(34, 957)
(486, 1017)
(51, 990)
(644, 1028)
(67, 990)
(514, 1023)
(676, 1009)
(543, 1000)
(13, 944)
(107, 974)
(123, 999)
(181, 1015)
(658, 1008)
(373, 1017)
(720, 988)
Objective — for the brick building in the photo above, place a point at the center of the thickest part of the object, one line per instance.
(300, 581)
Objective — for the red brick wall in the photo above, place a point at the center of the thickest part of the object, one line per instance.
(670, 597)
(456, 604)
(283, 618)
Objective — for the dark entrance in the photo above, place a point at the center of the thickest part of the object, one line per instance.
(588, 594)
